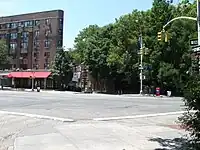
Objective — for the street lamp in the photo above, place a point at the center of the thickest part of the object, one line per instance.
(32, 79)
(141, 60)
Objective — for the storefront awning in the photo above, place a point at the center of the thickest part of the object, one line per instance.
(29, 74)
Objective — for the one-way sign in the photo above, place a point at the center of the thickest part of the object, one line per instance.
(194, 42)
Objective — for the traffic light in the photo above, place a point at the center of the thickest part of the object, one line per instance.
(167, 37)
(159, 36)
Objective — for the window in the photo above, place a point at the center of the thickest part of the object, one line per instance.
(47, 32)
(60, 32)
(28, 23)
(59, 44)
(46, 66)
(13, 36)
(13, 45)
(24, 45)
(37, 33)
(21, 24)
(36, 43)
(47, 21)
(36, 55)
(47, 54)
(61, 23)
(24, 61)
(46, 43)
(8, 25)
(37, 22)
(25, 34)
(13, 25)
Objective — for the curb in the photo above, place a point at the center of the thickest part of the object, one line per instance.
(140, 116)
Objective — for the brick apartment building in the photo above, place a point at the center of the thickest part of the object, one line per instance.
(32, 38)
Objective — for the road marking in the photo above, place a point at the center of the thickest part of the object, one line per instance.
(140, 116)
(37, 116)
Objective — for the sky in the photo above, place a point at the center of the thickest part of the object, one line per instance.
(78, 13)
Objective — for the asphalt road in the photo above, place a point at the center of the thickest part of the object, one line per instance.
(29, 132)
(85, 106)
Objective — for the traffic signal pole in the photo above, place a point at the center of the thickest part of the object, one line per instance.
(141, 65)
(198, 20)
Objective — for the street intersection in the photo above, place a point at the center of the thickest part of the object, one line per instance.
(66, 120)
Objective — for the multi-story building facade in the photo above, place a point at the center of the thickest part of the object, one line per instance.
(32, 38)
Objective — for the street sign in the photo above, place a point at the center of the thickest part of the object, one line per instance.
(194, 42)
(196, 48)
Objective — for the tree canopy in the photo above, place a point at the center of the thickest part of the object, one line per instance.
(61, 68)
(111, 51)
(4, 57)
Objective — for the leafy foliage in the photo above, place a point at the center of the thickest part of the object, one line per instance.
(4, 58)
(61, 68)
(111, 51)
(191, 120)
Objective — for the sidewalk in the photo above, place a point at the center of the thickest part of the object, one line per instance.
(134, 134)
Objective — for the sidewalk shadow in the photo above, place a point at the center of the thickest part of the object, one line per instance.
(173, 144)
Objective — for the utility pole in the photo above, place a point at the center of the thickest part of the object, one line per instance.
(198, 20)
(141, 65)
(198, 27)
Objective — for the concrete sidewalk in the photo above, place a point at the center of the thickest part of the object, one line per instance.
(131, 134)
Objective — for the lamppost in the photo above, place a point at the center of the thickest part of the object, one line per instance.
(141, 59)
(32, 79)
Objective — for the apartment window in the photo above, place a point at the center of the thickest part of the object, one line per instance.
(25, 34)
(59, 44)
(24, 45)
(60, 32)
(46, 54)
(13, 46)
(28, 23)
(8, 25)
(21, 24)
(13, 25)
(25, 61)
(36, 54)
(46, 43)
(37, 22)
(37, 33)
(61, 23)
(47, 21)
(13, 36)
(36, 43)
(47, 32)
(2, 26)
(46, 66)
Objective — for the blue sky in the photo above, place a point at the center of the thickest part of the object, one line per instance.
(78, 13)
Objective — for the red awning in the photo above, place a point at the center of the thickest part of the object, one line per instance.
(29, 74)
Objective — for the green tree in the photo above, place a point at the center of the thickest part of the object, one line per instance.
(111, 51)
(61, 68)
(191, 120)
(4, 57)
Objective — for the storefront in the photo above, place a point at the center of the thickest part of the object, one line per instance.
(26, 79)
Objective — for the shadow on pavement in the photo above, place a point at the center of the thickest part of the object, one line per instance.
(173, 144)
